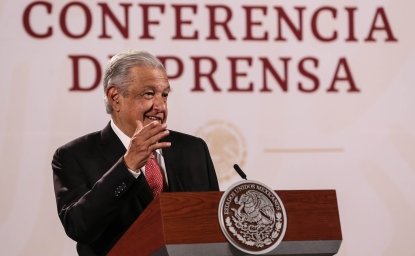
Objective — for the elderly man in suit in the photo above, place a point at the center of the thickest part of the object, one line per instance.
(105, 179)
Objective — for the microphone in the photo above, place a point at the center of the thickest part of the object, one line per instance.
(239, 171)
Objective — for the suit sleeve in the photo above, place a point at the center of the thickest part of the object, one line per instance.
(85, 209)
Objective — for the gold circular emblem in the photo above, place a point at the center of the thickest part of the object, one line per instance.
(252, 217)
(226, 145)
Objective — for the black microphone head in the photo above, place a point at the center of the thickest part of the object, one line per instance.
(239, 171)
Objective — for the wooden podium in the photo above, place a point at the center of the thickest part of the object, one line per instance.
(186, 223)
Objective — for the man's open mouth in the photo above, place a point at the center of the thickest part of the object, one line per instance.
(155, 118)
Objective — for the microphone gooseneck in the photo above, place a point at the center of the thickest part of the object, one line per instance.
(239, 171)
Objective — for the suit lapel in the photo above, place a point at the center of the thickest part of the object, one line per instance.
(171, 159)
(111, 145)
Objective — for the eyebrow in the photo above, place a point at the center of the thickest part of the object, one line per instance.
(152, 87)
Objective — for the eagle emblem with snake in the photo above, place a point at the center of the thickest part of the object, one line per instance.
(253, 217)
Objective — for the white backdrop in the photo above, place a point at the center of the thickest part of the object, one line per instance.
(353, 130)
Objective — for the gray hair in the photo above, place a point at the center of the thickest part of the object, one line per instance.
(118, 70)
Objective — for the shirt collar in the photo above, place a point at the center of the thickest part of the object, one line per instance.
(124, 138)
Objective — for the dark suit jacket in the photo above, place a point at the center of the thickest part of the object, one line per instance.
(98, 198)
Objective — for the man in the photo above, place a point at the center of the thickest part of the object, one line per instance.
(104, 180)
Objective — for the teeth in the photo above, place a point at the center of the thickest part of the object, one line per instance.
(154, 118)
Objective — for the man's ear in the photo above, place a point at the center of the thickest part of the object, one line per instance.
(113, 97)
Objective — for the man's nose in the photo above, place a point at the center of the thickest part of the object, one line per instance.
(159, 103)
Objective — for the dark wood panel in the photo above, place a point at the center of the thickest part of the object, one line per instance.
(191, 218)
(312, 215)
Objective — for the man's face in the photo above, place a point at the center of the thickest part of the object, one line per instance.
(146, 99)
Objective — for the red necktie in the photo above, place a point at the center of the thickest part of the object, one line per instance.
(154, 176)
